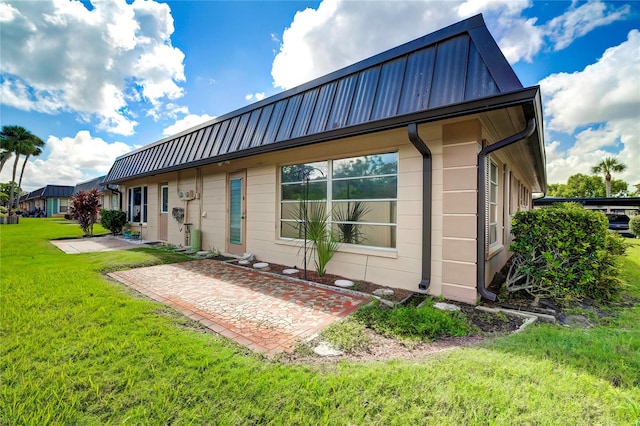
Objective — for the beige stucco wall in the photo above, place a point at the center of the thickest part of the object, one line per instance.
(454, 147)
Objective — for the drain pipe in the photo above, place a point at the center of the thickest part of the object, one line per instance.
(482, 203)
(422, 147)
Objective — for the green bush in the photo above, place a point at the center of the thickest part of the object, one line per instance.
(113, 220)
(634, 225)
(425, 323)
(564, 252)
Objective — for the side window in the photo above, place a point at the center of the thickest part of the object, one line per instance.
(493, 203)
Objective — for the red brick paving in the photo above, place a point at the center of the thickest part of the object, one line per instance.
(265, 313)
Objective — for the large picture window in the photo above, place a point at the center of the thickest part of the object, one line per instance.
(137, 204)
(359, 196)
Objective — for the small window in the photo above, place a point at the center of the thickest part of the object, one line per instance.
(493, 203)
(164, 202)
(64, 205)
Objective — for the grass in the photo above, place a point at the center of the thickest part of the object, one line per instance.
(77, 348)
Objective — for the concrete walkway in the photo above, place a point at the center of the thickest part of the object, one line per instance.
(266, 313)
(95, 244)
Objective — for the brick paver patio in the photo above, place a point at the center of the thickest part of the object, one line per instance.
(266, 313)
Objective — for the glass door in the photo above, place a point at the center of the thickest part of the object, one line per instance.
(236, 231)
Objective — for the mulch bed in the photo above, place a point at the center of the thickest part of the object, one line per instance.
(329, 279)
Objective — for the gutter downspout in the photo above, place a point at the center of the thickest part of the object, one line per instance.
(422, 147)
(116, 191)
(482, 205)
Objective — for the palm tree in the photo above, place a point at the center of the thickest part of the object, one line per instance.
(38, 144)
(5, 154)
(18, 141)
(606, 166)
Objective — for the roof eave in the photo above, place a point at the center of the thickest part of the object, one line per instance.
(528, 98)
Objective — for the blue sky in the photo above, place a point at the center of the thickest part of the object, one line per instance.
(96, 80)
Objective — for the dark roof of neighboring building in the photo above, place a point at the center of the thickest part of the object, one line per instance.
(456, 71)
(95, 183)
(51, 191)
(593, 202)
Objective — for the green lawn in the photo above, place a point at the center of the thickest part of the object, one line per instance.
(77, 348)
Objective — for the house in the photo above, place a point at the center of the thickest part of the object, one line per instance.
(49, 201)
(436, 141)
(109, 195)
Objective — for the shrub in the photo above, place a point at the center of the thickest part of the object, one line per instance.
(564, 252)
(634, 225)
(425, 323)
(113, 220)
(84, 208)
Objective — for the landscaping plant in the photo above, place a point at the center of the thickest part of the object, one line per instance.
(113, 220)
(634, 225)
(425, 323)
(323, 243)
(564, 252)
(84, 208)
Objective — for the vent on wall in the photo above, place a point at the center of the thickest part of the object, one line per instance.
(186, 195)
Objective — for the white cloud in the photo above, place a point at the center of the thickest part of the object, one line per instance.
(341, 32)
(255, 96)
(187, 122)
(59, 56)
(579, 21)
(71, 160)
(601, 103)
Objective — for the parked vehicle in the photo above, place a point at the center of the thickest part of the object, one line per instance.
(619, 223)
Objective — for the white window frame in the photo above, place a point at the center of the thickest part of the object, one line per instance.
(60, 206)
(164, 199)
(144, 198)
(494, 186)
(329, 180)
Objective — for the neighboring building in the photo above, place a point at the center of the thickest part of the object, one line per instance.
(620, 205)
(435, 141)
(109, 196)
(50, 201)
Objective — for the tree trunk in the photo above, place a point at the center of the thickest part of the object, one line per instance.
(22, 173)
(13, 184)
(4, 159)
(608, 186)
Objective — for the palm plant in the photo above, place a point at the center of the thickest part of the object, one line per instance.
(17, 141)
(606, 166)
(346, 221)
(313, 222)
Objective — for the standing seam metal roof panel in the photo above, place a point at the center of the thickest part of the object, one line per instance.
(453, 65)
(364, 96)
(261, 127)
(342, 102)
(322, 109)
(388, 93)
(289, 118)
(217, 144)
(482, 81)
(418, 80)
(274, 122)
(251, 128)
(241, 128)
(305, 111)
(448, 81)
